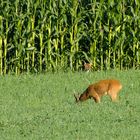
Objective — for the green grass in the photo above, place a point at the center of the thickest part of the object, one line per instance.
(43, 107)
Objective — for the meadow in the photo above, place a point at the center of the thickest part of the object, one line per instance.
(43, 107)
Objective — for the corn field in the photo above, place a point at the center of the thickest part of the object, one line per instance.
(50, 35)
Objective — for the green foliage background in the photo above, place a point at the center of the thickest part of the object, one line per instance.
(44, 35)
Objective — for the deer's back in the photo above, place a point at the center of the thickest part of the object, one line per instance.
(104, 86)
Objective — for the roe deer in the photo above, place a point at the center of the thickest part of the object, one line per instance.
(109, 87)
(87, 66)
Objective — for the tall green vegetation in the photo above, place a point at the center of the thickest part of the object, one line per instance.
(43, 35)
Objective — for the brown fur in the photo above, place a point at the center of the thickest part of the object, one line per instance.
(87, 66)
(109, 87)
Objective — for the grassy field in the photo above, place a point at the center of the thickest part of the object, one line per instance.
(34, 107)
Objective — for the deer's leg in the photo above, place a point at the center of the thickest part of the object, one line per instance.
(113, 95)
(96, 97)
